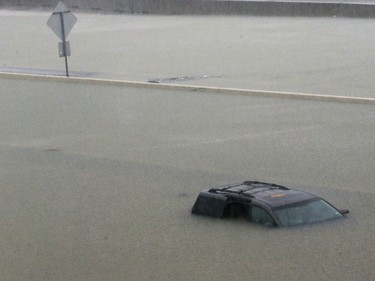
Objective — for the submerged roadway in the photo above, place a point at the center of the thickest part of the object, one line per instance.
(98, 180)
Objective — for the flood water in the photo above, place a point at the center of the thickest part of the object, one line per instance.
(327, 56)
(97, 183)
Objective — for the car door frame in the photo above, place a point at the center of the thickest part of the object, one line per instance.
(265, 207)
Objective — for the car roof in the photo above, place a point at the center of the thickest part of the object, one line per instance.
(267, 193)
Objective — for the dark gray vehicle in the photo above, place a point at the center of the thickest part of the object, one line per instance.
(265, 203)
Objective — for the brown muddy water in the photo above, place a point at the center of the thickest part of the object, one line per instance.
(97, 183)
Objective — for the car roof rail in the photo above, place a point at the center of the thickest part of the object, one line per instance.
(223, 188)
(252, 185)
(265, 183)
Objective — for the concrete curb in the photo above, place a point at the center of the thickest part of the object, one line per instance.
(191, 88)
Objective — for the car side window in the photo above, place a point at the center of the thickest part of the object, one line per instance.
(260, 216)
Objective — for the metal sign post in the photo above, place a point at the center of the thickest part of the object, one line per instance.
(64, 43)
(61, 22)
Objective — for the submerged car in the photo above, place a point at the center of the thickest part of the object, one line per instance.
(265, 203)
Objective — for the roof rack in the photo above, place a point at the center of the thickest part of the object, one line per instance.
(223, 188)
(250, 186)
(265, 183)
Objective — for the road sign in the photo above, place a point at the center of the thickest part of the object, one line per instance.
(64, 49)
(55, 22)
(61, 22)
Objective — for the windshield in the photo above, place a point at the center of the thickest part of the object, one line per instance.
(307, 212)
